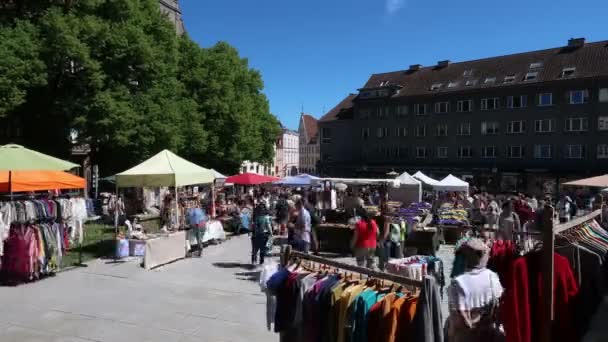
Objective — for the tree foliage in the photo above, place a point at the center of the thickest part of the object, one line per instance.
(115, 74)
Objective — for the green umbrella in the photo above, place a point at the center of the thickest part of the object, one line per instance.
(18, 158)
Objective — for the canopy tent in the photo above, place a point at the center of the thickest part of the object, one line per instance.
(250, 179)
(18, 158)
(593, 182)
(23, 181)
(218, 175)
(299, 180)
(364, 181)
(452, 183)
(425, 179)
(410, 189)
(164, 169)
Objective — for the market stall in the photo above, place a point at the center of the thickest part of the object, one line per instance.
(452, 184)
(165, 169)
(426, 180)
(299, 180)
(409, 190)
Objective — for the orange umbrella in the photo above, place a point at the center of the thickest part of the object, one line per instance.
(22, 181)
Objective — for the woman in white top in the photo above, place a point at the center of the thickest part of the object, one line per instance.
(474, 297)
(508, 222)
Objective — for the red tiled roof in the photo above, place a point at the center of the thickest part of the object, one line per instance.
(345, 104)
(590, 60)
(311, 126)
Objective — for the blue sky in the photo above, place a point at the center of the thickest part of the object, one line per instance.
(312, 53)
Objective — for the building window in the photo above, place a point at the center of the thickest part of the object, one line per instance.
(467, 72)
(603, 95)
(382, 112)
(602, 123)
(326, 135)
(464, 129)
(421, 131)
(517, 101)
(488, 152)
(544, 125)
(382, 132)
(574, 151)
(536, 65)
(516, 127)
(400, 131)
(442, 107)
(421, 152)
(490, 104)
(515, 152)
(567, 72)
(490, 128)
(401, 111)
(464, 106)
(442, 152)
(465, 152)
(489, 80)
(365, 133)
(436, 86)
(531, 76)
(579, 96)
(576, 125)
(420, 109)
(602, 151)
(442, 130)
(545, 99)
(452, 84)
(542, 151)
(469, 83)
(365, 113)
(509, 78)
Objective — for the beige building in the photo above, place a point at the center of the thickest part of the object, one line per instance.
(174, 14)
(309, 144)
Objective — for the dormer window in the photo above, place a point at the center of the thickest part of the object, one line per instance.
(568, 72)
(452, 84)
(489, 80)
(536, 65)
(436, 86)
(509, 78)
(531, 76)
(470, 82)
(467, 73)
(383, 83)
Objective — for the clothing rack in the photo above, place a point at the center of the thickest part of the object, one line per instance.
(289, 254)
(549, 230)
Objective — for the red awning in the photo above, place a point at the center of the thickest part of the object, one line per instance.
(250, 179)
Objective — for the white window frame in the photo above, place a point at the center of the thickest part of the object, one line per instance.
(325, 139)
(436, 86)
(401, 132)
(381, 132)
(584, 96)
(490, 128)
(523, 101)
(401, 110)
(539, 149)
(489, 80)
(424, 154)
(540, 100)
(461, 132)
(531, 76)
(509, 78)
(486, 101)
(602, 151)
(540, 122)
(511, 125)
(418, 128)
(442, 152)
(462, 155)
(485, 154)
(417, 109)
(583, 123)
(568, 72)
(512, 148)
(453, 84)
(365, 133)
(440, 128)
(570, 148)
(602, 123)
(469, 83)
(602, 95)
(460, 106)
(536, 65)
(440, 110)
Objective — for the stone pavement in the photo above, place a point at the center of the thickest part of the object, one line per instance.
(215, 298)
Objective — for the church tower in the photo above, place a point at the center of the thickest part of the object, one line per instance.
(171, 9)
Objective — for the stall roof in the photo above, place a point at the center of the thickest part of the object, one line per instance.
(362, 181)
(25, 181)
(218, 175)
(250, 179)
(594, 182)
(164, 169)
(425, 179)
(299, 180)
(452, 183)
(16, 157)
(406, 179)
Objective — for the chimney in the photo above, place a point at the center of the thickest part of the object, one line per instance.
(414, 67)
(443, 64)
(576, 42)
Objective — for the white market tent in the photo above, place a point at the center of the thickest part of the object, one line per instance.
(452, 183)
(410, 189)
(425, 179)
(218, 175)
(363, 181)
(299, 180)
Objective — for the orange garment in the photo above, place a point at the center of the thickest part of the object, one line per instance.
(401, 317)
(380, 320)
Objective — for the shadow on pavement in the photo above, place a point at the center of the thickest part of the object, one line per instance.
(234, 265)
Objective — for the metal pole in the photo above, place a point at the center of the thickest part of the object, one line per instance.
(177, 208)
(116, 225)
(10, 184)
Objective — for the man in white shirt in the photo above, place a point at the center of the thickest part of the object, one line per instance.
(303, 228)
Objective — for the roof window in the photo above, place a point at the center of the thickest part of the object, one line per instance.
(531, 76)
(536, 65)
(509, 78)
(467, 73)
(470, 82)
(436, 86)
(452, 84)
(489, 80)
(568, 72)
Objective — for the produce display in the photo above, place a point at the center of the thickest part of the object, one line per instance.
(450, 216)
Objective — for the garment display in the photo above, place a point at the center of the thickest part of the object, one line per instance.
(417, 267)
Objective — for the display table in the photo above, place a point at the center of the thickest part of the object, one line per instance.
(165, 249)
(214, 231)
(334, 237)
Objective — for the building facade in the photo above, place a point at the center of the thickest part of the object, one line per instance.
(517, 122)
(309, 149)
(291, 153)
(174, 13)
